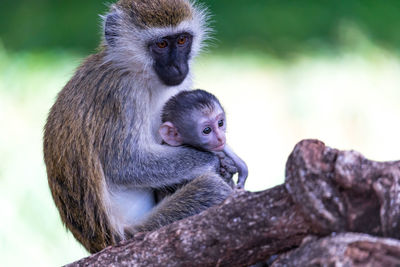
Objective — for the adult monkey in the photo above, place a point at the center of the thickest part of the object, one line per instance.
(101, 145)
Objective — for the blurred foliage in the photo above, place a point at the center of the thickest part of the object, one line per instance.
(281, 28)
(49, 24)
(286, 28)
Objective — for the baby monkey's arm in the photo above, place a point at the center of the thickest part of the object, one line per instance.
(241, 166)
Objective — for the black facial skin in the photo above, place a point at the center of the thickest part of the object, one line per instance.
(171, 55)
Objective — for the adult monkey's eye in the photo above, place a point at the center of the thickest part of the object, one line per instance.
(162, 44)
(220, 123)
(182, 39)
(207, 130)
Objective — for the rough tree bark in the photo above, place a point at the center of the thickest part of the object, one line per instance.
(346, 249)
(326, 190)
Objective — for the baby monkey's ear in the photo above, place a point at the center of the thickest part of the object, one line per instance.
(170, 134)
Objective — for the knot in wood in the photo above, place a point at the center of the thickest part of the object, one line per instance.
(343, 191)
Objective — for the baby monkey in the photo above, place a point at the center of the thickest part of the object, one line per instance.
(196, 118)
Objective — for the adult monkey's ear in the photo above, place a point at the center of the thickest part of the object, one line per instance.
(111, 26)
(170, 134)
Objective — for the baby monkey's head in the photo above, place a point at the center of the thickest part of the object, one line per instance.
(194, 118)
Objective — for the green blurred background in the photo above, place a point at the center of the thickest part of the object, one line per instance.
(284, 70)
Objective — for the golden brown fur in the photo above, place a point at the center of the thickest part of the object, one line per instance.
(157, 13)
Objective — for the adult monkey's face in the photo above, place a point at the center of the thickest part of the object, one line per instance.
(171, 55)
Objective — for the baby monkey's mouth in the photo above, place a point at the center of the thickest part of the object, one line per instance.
(219, 148)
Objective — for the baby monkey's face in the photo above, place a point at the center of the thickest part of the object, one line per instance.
(201, 128)
(211, 129)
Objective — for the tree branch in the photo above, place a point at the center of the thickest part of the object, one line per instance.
(326, 190)
(347, 249)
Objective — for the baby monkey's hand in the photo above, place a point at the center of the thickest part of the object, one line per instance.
(227, 167)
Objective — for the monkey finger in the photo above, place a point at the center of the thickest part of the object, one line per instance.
(240, 186)
(231, 168)
(229, 165)
(226, 176)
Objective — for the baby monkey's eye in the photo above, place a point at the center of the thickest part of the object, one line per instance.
(207, 130)
(220, 123)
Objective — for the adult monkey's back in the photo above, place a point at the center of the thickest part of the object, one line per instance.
(101, 145)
